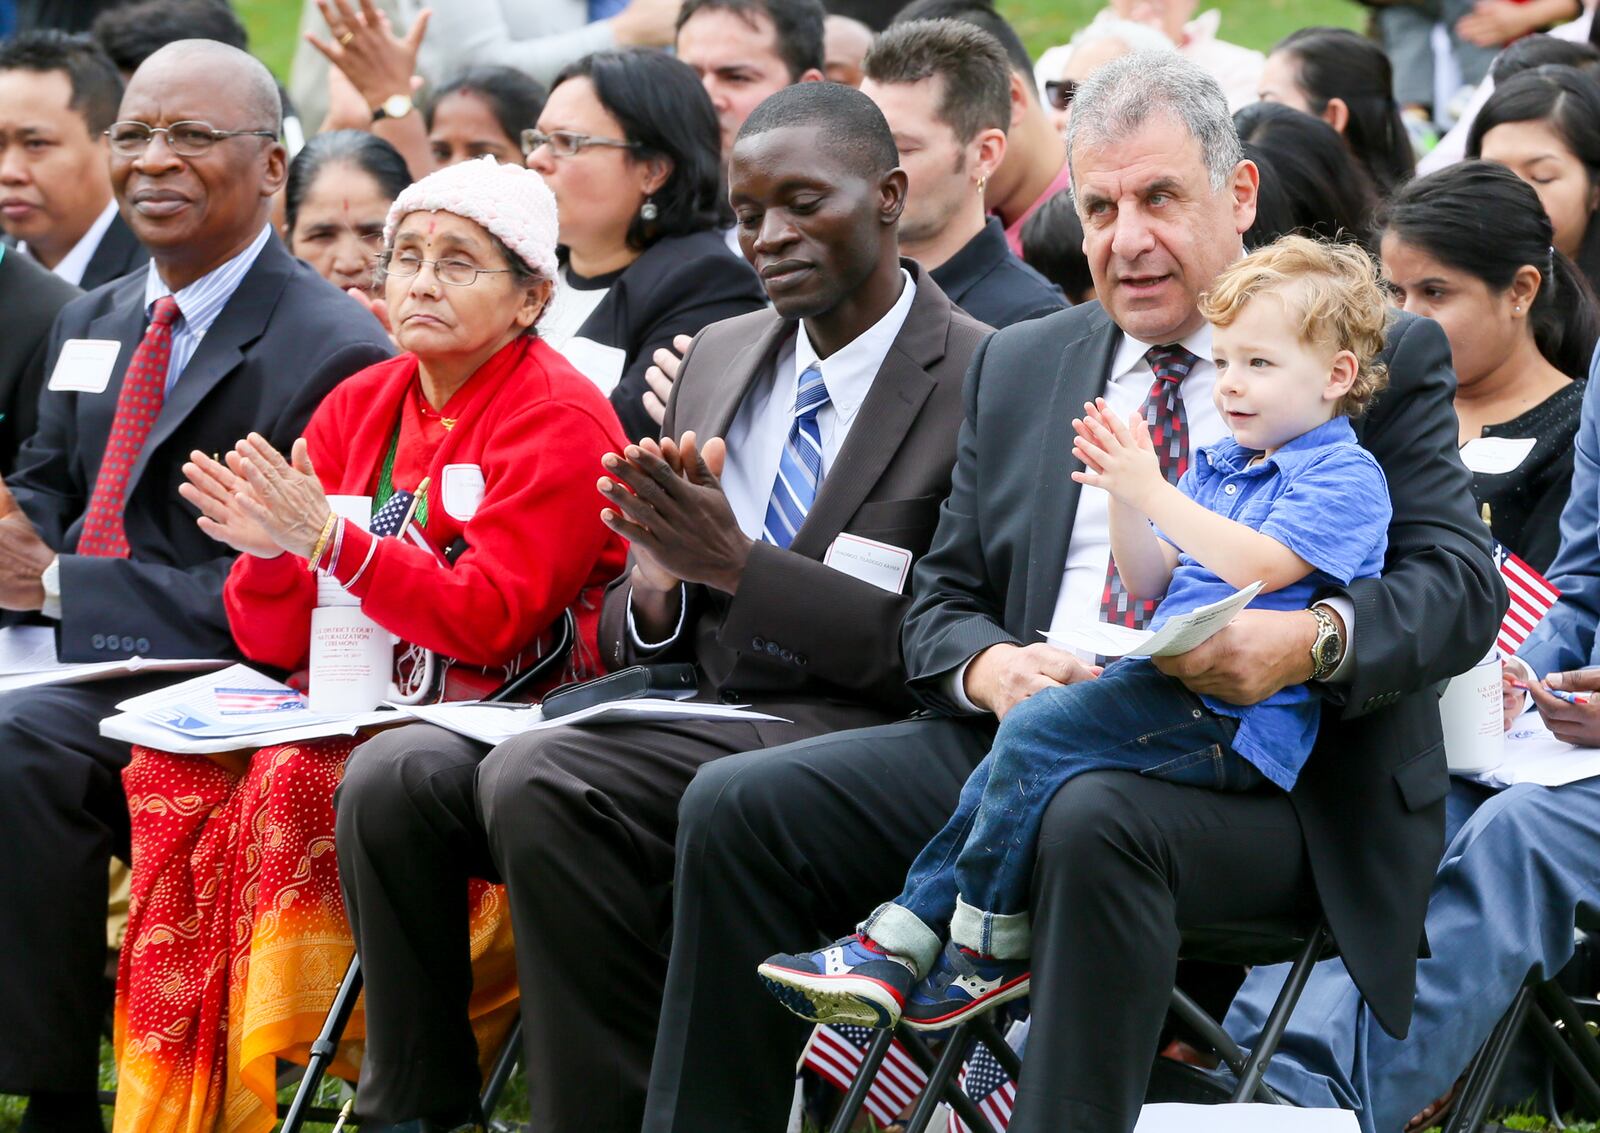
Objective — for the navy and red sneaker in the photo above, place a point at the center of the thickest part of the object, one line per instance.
(852, 980)
(963, 984)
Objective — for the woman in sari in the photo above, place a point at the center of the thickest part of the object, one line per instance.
(492, 442)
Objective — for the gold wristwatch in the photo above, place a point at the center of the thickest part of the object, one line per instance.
(1328, 648)
(395, 106)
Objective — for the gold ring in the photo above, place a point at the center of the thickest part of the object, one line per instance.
(346, 38)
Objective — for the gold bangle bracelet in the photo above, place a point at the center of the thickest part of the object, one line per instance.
(322, 542)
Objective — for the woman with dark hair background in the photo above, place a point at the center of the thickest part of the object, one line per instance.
(629, 143)
(1052, 244)
(339, 190)
(1544, 125)
(1522, 325)
(482, 111)
(1345, 79)
(1310, 182)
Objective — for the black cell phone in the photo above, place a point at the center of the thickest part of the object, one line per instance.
(659, 682)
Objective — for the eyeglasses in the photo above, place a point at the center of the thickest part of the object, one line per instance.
(1059, 92)
(186, 139)
(565, 143)
(457, 273)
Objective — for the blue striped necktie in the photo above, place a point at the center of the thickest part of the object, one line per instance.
(800, 466)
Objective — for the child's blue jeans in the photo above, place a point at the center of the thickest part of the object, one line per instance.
(976, 873)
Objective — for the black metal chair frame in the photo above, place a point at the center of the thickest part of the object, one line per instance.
(1557, 1021)
(942, 1071)
(303, 1107)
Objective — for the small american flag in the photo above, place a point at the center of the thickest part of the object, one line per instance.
(1531, 597)
(388, 518)
(983, 1080)
(836, 1053)
(241, 701)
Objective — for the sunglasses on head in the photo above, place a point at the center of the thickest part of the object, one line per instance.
(1059, 92)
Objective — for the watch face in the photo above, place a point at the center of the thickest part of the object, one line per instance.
(397, 106)
(1328, 651)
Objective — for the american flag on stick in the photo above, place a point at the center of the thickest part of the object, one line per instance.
(984, 1081)
(836, 1053)
(1531, 598)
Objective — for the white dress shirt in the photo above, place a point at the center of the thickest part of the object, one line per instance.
(760, 427)
(76, 262)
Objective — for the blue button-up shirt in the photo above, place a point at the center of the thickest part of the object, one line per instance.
(1322, 496)
(200, 302)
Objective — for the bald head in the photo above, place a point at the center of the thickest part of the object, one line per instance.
(238, 79)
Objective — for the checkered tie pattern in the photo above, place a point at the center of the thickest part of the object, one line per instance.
(1169, 432)
(138, 405)
(800, 467)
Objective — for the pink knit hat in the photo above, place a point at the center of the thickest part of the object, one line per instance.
(511, 201)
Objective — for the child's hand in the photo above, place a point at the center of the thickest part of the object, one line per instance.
(1117, 456)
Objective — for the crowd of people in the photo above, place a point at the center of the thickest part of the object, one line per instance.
(860, 361)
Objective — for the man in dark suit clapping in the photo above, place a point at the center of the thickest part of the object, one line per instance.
(223, 335)
(804, 838)
(839, 408)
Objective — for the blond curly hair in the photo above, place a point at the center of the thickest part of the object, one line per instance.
(1332, 289)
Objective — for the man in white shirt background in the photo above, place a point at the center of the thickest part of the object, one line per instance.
(58, 94)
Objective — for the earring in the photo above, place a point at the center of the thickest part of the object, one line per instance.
(983, 183)
(648, 211)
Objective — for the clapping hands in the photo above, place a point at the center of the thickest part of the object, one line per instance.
(258, 502)
(1117, 456)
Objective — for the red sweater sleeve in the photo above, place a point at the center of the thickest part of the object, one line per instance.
(532, 545)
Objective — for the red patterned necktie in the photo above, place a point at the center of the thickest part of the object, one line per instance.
(138, 404)
(1169, 432)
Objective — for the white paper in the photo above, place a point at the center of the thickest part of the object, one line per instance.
(1533, 755)
(133, 729)
(1473, 717)
(1177, 635)
(84, 365)
(352, 658)
(27, 649)
(601, 364)
(1174, 1117)
(356, 510)
(1495, 456)
(28, 660)
(193, 708)
(881, 564)
(461, 490)
(495, 723)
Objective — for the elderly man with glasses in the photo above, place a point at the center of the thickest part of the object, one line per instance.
(225, 335)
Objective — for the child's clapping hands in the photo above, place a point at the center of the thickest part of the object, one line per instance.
(1117, 456)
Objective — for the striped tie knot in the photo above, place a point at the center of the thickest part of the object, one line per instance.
(812, 394)
(1170, 363)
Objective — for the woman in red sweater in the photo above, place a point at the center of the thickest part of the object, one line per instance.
(492, 442)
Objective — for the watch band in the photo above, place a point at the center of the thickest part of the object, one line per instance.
(1327, 628)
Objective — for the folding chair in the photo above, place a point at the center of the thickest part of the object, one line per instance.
(1561, 1022)
(1251, 943)
(303, 1107)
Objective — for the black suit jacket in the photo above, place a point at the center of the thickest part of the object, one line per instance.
(988, 281)
(31, 298)
(796, 629)
(118, 253)
(679, 285)
(1371, 798)
(285, 338)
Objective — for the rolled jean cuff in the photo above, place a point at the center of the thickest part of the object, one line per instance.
(999, 936)
(896, 929)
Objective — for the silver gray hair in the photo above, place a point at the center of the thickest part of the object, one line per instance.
(1124, 94)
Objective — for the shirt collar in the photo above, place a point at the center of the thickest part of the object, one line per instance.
(1229, 456)
(202, 301)
(76, 262)
(1131, 351)
(848, 371)
(976, 259)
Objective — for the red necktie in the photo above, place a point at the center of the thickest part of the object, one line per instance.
(138, 405)
(1169, 432)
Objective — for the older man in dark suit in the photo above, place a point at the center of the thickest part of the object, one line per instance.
(839, 409)
(809, 837)
(225, 334)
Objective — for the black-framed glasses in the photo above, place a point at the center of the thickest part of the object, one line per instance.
(457, 273)
(186, 139)
(1059, 92)
(565, 143)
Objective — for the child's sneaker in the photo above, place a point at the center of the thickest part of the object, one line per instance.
(852, 980)
(962, 985)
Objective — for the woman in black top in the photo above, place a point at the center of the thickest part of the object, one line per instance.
(1522, 324)
(629, 143)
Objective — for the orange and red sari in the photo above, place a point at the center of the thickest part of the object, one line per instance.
(237, 937)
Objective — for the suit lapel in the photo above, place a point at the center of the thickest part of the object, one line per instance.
(241, 322)
(898, 390)
(1085, 367)
(727, 391)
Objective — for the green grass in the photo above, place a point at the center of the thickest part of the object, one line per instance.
(1254, 23)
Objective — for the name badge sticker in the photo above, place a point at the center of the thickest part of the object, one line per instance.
(1495, 456)
(461, 490)
(85, 365)
(879, 564)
